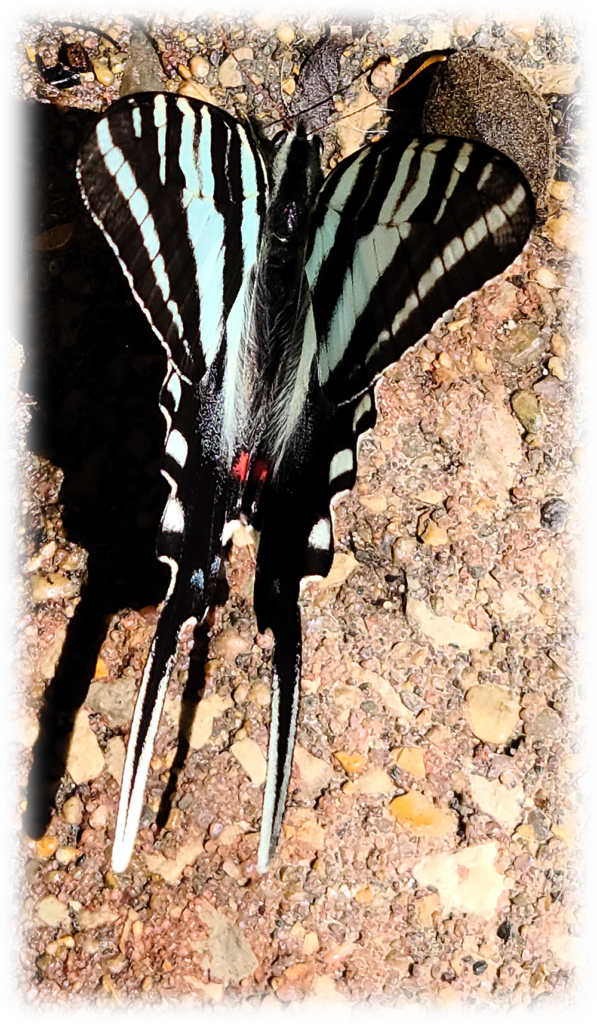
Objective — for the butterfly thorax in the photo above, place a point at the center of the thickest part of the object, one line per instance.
(273, 370)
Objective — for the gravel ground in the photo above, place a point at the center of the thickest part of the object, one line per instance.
(428, 851)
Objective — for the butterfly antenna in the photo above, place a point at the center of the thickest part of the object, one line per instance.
(437, 59)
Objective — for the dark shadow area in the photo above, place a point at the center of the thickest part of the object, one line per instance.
(94, 369)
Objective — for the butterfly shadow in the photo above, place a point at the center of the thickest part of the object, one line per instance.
(94, 370)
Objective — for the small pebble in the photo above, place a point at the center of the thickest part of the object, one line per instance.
(547, 725)
(419, 815)
(72, 810)
(228, 645)
(102, 72)
(554, 513)
(546, 278)
(197, 92)
(373, 502)
(45, 847)
(526, 409)
(526, 29)
(184, 72)
(52, 912)
(285, 34)
(65, 854)
(229, 74)
(260, 693)
(383, 77)
(578, 456)
(492, 712)
(566, 232)
(434, 535)
(250, 756)
(53, 587)
(265, 641)
(199, 67)
(351, 762)
(563, 191)
(99, 817)
(411, 760)
(558, 345)
(556, 367)
(288, 86)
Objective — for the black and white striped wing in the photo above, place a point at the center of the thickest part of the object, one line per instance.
(178, 188)
(403, 230)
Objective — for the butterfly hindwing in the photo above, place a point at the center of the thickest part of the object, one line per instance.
(296, 540)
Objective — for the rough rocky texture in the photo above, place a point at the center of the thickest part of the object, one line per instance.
(358, 904)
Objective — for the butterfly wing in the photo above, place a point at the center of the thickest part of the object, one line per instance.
(296, 540)
(403, 230)
(178, 189)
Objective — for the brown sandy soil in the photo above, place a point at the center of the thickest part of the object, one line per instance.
(428, 849)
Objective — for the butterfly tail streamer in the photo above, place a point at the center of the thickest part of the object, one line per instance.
(286, 681)
(190, 542)
(148, 709)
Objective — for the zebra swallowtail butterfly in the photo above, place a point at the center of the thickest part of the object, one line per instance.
(279, 298)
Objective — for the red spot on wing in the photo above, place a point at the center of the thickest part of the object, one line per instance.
(240, 466)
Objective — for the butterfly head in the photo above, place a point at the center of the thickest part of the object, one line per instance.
(296, 178)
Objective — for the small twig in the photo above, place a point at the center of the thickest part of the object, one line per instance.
(86, 28)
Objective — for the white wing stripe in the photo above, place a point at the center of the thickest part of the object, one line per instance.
(419, 190)
(343, 461)
(177, 447)
(321, 535)
(160, 121)
(205, 226)
(173, 518)
(387, 211)
(139, 207)
(460, 165)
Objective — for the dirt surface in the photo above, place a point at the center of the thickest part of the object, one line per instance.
(428, 848)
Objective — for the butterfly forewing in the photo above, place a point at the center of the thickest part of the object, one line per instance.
(403, 231)
(178, 188)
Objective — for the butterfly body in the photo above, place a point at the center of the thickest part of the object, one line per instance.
(279, 299)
